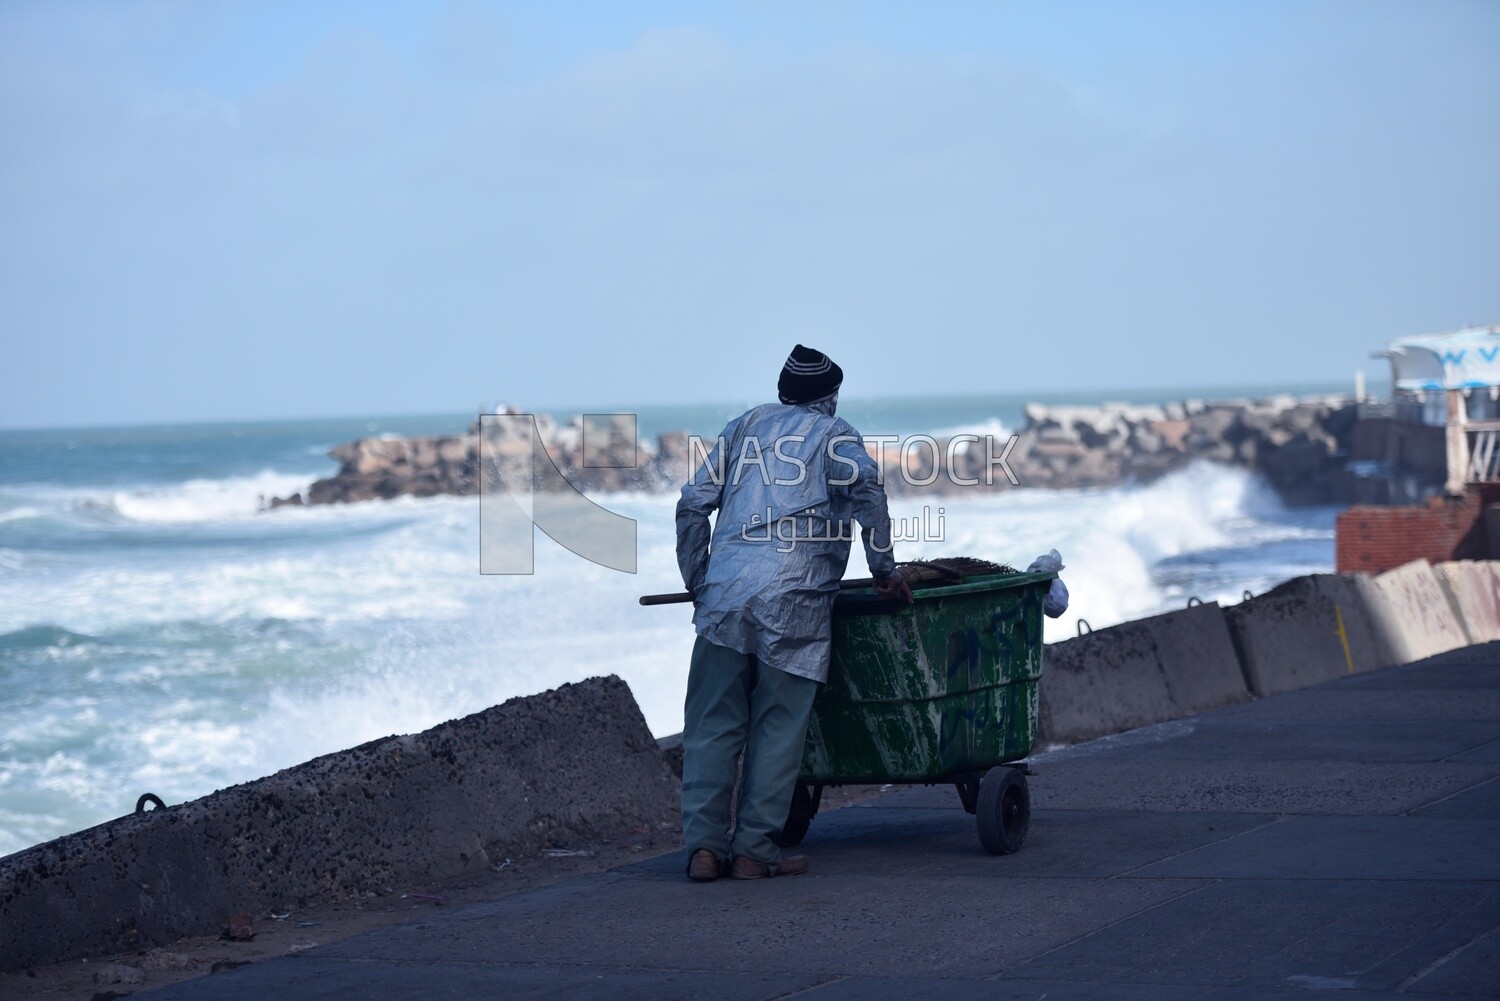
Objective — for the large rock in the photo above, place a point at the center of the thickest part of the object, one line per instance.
(1211, 425)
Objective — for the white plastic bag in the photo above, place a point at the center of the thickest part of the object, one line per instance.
(1057, 594)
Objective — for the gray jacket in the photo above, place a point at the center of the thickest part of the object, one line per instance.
(786, 481)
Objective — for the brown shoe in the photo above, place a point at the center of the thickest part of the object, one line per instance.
(703, 866)
(791, 865)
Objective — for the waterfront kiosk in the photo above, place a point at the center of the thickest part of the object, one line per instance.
(1452, 380)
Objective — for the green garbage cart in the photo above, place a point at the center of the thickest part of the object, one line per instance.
(942, 691)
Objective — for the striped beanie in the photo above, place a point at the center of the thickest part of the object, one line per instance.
(808, 375)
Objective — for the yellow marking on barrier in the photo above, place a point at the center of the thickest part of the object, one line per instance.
(1344, 638)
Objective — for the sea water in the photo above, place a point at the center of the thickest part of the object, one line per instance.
(160, 632)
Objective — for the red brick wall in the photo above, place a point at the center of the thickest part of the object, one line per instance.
(1374, 539)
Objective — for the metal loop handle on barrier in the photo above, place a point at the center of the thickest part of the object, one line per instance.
(150, 797)
(1194, 600)
(1081, 624)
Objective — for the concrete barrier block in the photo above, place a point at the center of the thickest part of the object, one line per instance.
(1198, 658)
(1473, 591)
(1413, 611)
(1306, 631)
(399, 812)
(582, 768)
(1487, 597)
(1100, 683)
(1138, 673)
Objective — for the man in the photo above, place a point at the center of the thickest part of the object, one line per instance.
(786, 479)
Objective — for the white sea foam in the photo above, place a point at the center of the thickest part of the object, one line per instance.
(206, 500)
(1110, 539)
(68, 774)
(194, 501)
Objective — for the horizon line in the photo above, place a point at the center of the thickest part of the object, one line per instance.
(1098, 394)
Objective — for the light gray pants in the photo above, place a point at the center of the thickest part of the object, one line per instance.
(735, 705)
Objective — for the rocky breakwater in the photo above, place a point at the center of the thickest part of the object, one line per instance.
(1299, 445)
(596, 453)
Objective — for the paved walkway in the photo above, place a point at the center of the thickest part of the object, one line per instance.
(1345, 836)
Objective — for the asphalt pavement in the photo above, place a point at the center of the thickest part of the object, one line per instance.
(1344, 837)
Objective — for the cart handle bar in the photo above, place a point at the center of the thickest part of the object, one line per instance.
(954, 577)
(683, 597)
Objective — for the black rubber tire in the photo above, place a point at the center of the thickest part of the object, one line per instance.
(797, 819)
(1004, 813)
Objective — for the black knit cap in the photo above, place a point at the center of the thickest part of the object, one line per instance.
(808, 375)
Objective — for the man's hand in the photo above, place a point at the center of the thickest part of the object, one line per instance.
(893, 587)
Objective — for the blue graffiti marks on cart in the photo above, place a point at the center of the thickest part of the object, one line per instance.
(963, 659)
(956, 735)
(1008, 621)
(1017, 628)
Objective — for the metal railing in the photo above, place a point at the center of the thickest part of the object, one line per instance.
(1484, 451)
(1406, 411)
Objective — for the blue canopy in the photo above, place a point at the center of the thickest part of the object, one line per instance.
(1463, 359)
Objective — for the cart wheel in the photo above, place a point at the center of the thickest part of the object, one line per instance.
(1004, 811)
(797, 819)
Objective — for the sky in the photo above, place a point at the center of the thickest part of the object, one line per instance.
(225, 211)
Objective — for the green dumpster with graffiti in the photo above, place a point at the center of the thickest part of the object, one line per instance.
(941, 691)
